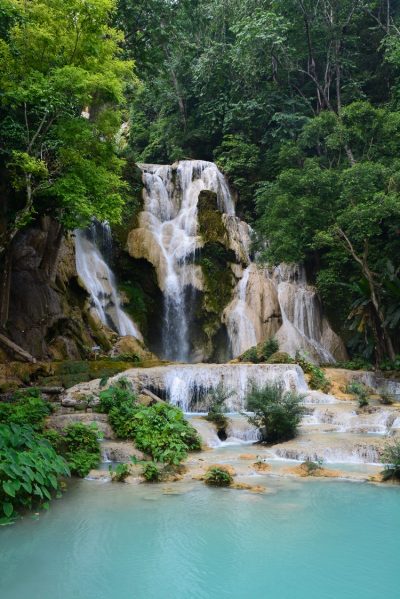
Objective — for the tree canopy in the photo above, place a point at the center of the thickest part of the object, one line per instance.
(62, 81)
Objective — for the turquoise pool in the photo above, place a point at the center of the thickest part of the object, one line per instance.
(301, 540)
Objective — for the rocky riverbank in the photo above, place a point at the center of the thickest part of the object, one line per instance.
(336, 437)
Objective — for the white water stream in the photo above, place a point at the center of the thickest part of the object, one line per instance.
(99, 281)
(169, 223)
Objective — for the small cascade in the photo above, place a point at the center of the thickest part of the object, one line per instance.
(207, 432)
(359, 453)
(302, 319)
(105, 458)
(99, 280)
(240, 431)
(279, 302)
(343, 417)
(239, 322)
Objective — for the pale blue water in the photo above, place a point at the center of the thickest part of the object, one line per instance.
(304, 540)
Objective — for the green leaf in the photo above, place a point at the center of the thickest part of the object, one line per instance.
(27, 485)
(8, 509)
(9, 488)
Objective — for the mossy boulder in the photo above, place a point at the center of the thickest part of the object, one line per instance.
(214, 260)
(129, 347)
(280, 357)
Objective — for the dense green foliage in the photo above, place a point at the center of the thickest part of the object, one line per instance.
(277, 413)
(26, 407)
(33, 458)
(30, 470)
(57, 58)
(82, 450)
(159, 430)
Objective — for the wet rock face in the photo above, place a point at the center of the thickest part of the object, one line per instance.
(47, 305)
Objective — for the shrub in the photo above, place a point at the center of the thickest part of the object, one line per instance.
(55, 439)
(116, 395)
(151, 472)
(312, 467)
(216, 411)
(159, 430)
(360, 391)
(126, 357)
(277, 413)
(81, 462)
(250, 355)
(271, 346)
(355, 364)
(120, 474)
(391, 458)
(162, 432)
(386, 399)
(81, 436)
(318, 379)
(30, 470)
(218, 477)
(280, 357)
(390, 364)
(82, 449)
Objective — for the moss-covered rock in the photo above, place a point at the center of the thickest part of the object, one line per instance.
(211, 226)
(280, 357)
(214, 260)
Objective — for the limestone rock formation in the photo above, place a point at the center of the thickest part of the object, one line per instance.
(217, 302)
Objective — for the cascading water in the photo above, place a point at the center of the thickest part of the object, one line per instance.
(264, 302)
(331, 429)
(169, 222)
(302, 319)
(279, 302)
(99, 280)
(241, 329)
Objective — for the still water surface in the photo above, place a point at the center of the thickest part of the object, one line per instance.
(302, 540)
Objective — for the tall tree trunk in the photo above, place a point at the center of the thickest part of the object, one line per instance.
(384, 339)
(5, 287)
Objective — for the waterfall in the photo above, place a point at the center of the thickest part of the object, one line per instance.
(265, 302)
(302, 319)
(170, 222)
(278, 302)
(188, 385)
(241, 328)
(98, 279)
